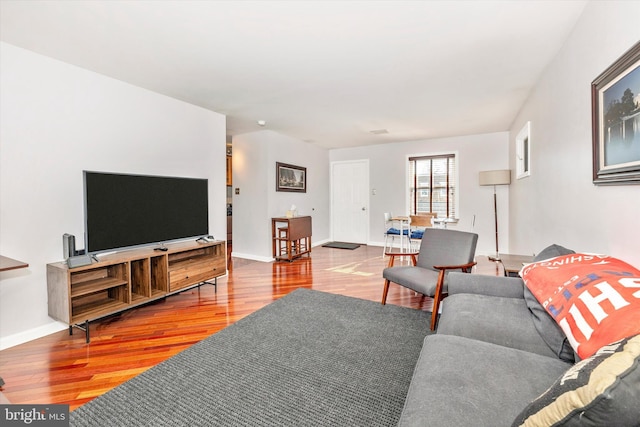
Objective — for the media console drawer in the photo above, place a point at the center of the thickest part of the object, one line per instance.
(196, 272)
(190, 267)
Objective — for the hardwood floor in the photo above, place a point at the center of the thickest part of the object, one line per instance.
(60, 368)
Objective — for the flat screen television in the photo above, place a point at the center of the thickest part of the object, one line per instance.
(124, 211)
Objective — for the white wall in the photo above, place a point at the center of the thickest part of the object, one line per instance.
(558, 203)
(388, 165)
(254, 167)
(58, 120)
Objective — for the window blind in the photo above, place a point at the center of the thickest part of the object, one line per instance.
(433, 185)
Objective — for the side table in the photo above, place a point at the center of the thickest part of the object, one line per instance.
(291, 237)
(513, 263)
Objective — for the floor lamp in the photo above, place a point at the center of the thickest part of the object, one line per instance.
(497, 177)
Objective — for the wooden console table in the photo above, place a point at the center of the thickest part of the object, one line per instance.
(7, 264)
(291, 237)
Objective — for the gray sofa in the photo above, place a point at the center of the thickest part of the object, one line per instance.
(494, 352)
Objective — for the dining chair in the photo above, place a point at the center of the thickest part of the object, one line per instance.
(391, 232)
(417, 225)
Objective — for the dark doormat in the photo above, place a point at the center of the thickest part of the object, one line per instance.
(341, 245)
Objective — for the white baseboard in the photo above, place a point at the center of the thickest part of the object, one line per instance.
(251, 257)
(31, 334)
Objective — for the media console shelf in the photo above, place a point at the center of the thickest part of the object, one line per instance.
(127, 279)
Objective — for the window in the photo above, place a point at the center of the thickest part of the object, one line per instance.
(433, 185)
(523, 152)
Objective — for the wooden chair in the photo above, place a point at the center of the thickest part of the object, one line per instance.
(391, 232)
(418, 224)
(441, 251)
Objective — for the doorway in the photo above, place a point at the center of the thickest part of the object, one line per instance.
(350, 201)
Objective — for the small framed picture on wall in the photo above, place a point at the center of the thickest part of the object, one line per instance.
(291, 178)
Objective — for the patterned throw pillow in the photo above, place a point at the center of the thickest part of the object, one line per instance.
(595, 299)
(603, 390)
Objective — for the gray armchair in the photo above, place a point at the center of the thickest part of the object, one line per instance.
(441, 251)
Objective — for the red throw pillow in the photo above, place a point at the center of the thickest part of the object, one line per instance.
(595, 299)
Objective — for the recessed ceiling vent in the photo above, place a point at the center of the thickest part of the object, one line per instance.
(379, 131)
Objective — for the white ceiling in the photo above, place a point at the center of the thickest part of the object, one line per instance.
(327, 72)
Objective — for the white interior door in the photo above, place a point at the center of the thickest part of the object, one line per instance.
(350, 201)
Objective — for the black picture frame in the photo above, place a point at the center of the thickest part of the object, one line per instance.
(615, 116)
(291, 178)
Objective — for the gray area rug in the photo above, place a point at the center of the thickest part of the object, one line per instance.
(308, 359)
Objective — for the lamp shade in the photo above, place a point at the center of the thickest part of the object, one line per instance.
(498, 177)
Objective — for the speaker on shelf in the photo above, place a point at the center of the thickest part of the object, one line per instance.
(79, 261)
(68, 245)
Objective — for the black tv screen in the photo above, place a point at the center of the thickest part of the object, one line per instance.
(124, 211)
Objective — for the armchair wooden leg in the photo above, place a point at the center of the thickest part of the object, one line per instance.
(385, 291)
(437, 297)
(434, 316)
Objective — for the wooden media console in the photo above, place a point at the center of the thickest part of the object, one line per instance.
(127, 279)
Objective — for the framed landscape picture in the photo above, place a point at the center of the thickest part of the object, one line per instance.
(615, 109)
(291, 178)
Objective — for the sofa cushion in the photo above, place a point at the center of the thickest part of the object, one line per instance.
(547, 327)
(498, 320)
(593, 298)
(463, 382)
(552, 251)
(595, 392)
(480, 284)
